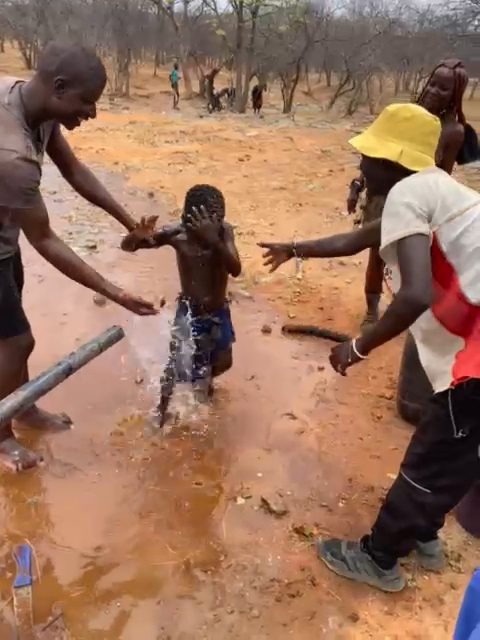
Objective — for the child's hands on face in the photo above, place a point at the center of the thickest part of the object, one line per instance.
(205, 226)
(142, 234)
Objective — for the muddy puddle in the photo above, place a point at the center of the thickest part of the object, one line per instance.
(162, 537)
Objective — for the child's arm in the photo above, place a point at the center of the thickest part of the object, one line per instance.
(228, 250)
(144, 235)
(166, 235)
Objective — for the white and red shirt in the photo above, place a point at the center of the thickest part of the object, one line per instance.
(447, 336)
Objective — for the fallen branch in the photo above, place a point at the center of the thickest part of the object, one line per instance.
(316, 332)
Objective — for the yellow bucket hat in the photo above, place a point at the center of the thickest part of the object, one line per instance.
(403, 133)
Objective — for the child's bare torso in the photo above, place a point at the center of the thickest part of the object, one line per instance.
(203, 275)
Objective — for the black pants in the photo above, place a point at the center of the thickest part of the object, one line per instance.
(13, 321)
(440, 465)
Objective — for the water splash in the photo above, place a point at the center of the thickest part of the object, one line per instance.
(149, 340)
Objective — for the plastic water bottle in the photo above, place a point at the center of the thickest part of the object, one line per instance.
(468, 623)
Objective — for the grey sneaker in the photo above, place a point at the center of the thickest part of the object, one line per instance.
(349, 560)
(431, 555)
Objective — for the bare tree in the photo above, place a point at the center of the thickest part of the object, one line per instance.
(358, 48)
(288, 37)
(29, 26)
(237, 24)
(183, 16)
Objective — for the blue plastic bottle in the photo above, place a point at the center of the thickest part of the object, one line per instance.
(468, 623)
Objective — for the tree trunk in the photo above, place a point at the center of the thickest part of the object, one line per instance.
(201, 77)
(355, 100)
(246, 89)
(328, 76)
(202, 85)
(187, 79)
(239, 57)
(25, 52)
(160, 20)
(307, 80)
(126, 72)
(289, 84)
(342, 88)
(210, 84)
(369, 88)
(28, 52)
(407, 82)
(397, 84)
(381, 84)
(473, 90)
(418, 79)
(287, 95)
(121, 82)
(248, 63)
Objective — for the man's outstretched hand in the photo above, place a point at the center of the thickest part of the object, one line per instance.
(141, 236)
(135, 304)
(276, 254)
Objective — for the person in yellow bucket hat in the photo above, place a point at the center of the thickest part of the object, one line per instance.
(428, 237)
(442, 96)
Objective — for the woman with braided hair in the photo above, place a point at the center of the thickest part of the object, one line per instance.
(442, 95)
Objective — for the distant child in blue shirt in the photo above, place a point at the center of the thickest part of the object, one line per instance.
(174, 80)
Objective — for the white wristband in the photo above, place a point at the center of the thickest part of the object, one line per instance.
(356, 351)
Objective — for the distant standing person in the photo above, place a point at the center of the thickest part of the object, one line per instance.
(64, 91)
(257, 97)
(174, 80)
(442, 96)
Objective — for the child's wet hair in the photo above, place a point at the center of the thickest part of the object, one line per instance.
(204, 195)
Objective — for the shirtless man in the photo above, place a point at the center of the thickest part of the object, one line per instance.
(64, 91)
(206, 256)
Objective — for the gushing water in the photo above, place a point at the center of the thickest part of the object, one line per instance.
(149, 339)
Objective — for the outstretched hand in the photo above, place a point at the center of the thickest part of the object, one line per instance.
(276, 254)
(141, 235)
(135, 304)
(205, 225)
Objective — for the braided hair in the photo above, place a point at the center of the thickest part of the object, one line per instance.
(204, 195)
(460, 77)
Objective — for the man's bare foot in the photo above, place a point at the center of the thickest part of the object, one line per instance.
(40, 420)
(15, 457)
